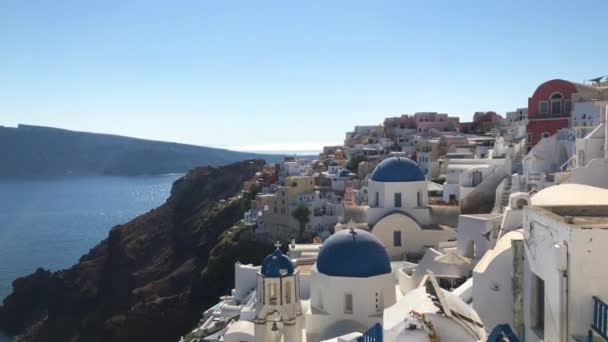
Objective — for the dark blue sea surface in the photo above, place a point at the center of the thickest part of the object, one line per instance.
(51, 223)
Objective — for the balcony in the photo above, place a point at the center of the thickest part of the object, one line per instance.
(599, 325)
(549, 116)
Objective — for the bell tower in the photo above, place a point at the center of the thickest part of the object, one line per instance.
(278, 308)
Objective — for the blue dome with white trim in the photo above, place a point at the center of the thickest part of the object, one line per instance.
(353, 253)
(277, 265)
(397, 169)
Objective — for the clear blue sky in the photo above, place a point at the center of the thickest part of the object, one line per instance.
(282, 73)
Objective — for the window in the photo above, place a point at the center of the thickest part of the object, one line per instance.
(397, 200)
(419, 198)
(556, 107)
(567, 106)
(556, 103)
(537, 310)
(377, 199)
(348, 303)
(544, 107)
(273, 293)
(529, 138)
(260, 290)
(287, 287)
(397, 238)
(545, 134)
(476, 178)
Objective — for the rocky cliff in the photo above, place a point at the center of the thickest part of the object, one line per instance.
(151, 279)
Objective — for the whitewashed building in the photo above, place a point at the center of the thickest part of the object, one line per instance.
(398, 211)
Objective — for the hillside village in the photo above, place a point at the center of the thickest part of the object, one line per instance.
(425, 228)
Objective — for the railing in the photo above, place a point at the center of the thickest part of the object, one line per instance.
(502, 332)
(569, 163)
(600, 319)
(374, 334)
(548, 116)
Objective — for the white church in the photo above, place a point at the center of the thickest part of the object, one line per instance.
(350, 291)
(398, 212)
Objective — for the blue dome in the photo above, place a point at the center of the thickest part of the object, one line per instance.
(397, 169)
(333, 163)
(353, 253)
(344, 173)
(276, 265)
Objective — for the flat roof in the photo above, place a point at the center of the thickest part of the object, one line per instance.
(577, 217)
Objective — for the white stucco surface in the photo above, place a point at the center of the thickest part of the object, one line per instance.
(570, 194)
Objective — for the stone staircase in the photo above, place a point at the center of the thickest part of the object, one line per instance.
(503, 191)
(506, 192)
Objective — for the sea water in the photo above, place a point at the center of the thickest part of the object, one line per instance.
(51, 223)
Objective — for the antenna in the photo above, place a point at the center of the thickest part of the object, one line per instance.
(596, 80)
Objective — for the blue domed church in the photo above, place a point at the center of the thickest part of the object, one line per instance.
(350, 285)
(278, 313)
(398, 212)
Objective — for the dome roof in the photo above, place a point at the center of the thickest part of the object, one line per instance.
(397, 169)
(353, 253)
(344, 173)
(277, 265)
(570, 195)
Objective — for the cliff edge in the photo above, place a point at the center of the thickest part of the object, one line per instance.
(151, 279)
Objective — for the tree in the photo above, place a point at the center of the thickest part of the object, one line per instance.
(353, 162)
(302, 214)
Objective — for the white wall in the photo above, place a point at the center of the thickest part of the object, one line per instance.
(594, 174)
(590, 147)
(492, 283)
(328, 296)
(414, 239)
(241, 331)
(471, 233)
(586, 276)
(546, 156)
(244, 279)
(386, 195)
(592, 111)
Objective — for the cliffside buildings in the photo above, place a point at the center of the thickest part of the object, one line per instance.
(522, 260)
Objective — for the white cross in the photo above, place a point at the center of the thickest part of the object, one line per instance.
(277, 245)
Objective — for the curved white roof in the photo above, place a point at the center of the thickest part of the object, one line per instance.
(503, 244)
(570, 194)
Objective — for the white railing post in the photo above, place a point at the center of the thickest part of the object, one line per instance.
(606, 132)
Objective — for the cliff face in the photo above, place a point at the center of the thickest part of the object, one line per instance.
(33, 151)
(151, 279)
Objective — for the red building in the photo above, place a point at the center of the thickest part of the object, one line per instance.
(550, 107)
